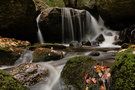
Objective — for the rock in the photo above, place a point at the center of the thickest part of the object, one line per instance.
(41, 5)
(86, 42)
(18, 19)
(94, 53)
(114, 13)
(125, 46)
(44, 54)
(74, 71)
(29, 73)
(8, 57)
(118, 42)
(55, 46)
(100, 38)
(122, 71)
(89, 5)
(108, 34)
(75, 44)
(94, 43)
(8, 82)
(128, 35)
(50, 25)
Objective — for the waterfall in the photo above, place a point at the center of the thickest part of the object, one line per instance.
(40, 37)
(80, 25)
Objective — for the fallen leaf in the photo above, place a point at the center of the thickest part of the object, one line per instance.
(102, 87)
(85, 76)
(88, 80)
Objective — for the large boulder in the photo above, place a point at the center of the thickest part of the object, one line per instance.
(8, 82)
(18, 19)
(77, 69)
(50, 25)
(117, 13)
(122, 71)
(29, 73)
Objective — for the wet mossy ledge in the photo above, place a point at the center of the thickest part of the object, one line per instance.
(123, 70)
(74, 71)
(11, 49)
(45, 54)
(8, 82)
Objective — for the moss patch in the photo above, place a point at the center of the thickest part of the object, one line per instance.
(123, 71)
(8, 82)
(75, 69)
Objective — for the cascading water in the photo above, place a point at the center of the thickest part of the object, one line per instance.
(40, 37)
(80, 25)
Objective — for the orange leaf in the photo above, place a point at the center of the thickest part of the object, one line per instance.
(88, 80)
(85, 76)
(93, 80)
(102, 87)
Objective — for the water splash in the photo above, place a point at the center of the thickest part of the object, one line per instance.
(40, 37)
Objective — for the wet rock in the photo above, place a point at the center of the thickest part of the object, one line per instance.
(112, 52)
(18, 19)
(128, 35)
(75, 69)
(29, 73)
(94, 43)
(94, 53)
(100, 38)
(86, 42)
(118, 42)
(44, 54)
(9, 56)
(8, 82)
(115, 14)
(89, 5)
(108, 34)
(50, 25)
(125, 46)
(75, 44)
(122, 71)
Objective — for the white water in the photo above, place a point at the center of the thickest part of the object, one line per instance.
(40, 37)
(67, 25)
(80, 29)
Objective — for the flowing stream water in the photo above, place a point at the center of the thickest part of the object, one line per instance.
(84, 28)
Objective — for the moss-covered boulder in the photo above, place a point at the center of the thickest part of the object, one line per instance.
(18, 19)
(45, 54)
(8, 82)
(76, 68)
(9, 56)
(123, 71)
(117, 13)
(94, 53)
(29, 73)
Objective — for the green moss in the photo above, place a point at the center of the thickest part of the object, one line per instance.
(75, 69)
(8, 82)
(123, 77)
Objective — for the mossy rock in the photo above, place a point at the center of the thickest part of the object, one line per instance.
(45, 54)
(8, 82)
(18, 19)
(55, 46)
(94, 53)
(75, 69)
(125, 45)
(123, 71)
(8, 57)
